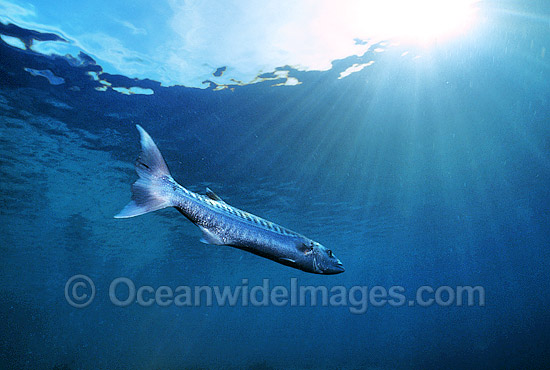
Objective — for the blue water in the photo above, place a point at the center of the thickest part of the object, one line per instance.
(429, 171)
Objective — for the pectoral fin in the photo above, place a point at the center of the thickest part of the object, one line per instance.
(287, 260)
(208, 237)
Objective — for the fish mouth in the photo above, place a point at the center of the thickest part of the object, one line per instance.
(336, 269)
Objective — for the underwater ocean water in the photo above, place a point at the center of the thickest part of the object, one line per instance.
(424, 166)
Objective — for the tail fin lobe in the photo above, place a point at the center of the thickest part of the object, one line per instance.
(150, 161)
(153, 190)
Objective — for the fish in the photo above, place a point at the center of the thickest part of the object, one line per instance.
(220, 223)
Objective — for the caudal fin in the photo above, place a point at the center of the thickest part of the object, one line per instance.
(153, 190)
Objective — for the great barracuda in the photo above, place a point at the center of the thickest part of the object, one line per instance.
(220, 223)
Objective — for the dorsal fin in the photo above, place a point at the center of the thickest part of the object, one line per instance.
(210, 194)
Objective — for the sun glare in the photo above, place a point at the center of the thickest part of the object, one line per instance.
(432, 19)
(420, 21)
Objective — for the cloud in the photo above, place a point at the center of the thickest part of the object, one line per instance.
(254, 37)
(251, 37)
(111, 51)
(135, 30)
(13, 41)
(10, 12)
(354, 68)
(186, 41)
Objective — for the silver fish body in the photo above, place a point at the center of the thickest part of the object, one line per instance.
(220, 223)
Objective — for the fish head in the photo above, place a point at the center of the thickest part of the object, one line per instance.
(323, 259)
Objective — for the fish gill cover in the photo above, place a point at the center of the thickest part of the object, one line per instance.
(414, 145)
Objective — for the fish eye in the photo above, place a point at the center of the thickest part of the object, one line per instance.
(329, 253)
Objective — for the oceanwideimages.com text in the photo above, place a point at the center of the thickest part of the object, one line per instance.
(123, 292)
